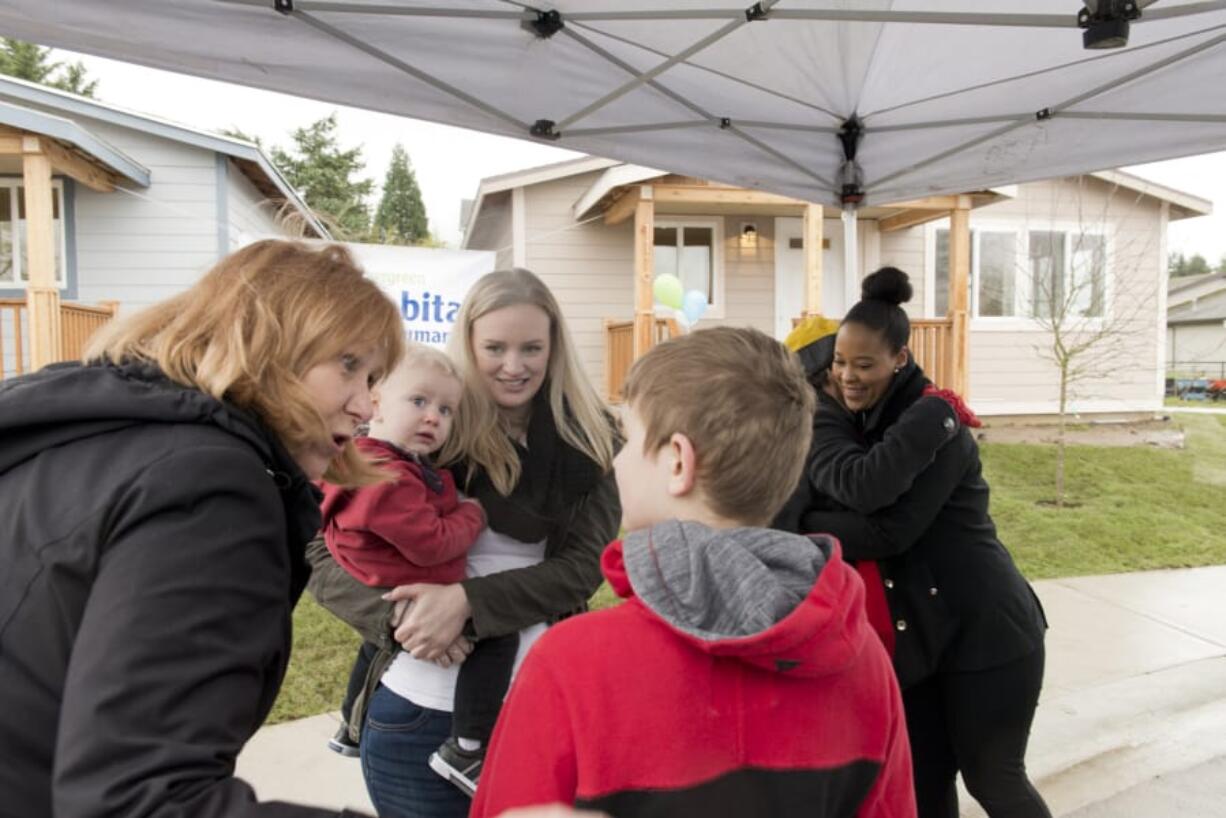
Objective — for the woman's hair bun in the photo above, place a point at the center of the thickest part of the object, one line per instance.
(889, 284)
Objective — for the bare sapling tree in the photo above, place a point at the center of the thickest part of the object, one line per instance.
(1092, 283)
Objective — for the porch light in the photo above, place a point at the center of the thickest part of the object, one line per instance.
(1106, 22)
(749, 234)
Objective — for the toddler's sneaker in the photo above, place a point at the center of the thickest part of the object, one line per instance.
(341, 743)
(459, 766)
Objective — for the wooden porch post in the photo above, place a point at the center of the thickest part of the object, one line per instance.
(813, 259)
(42, 293)
(644, 272)
(959, 296)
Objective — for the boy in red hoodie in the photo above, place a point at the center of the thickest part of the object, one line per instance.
(740, 676)
(415, 528)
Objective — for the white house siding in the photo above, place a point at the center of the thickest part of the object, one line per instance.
(1204, 344)
(589, 267)
(139, 249)
(249, 213)
(749, 276)
(1008, 374)
(905, 249)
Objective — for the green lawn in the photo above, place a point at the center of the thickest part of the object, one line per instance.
(1140, 508)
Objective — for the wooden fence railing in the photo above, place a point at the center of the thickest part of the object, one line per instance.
(619, 350)
(77, 323)
(933, 349)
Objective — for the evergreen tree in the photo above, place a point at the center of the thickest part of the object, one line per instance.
(1197, 266)
(239, 133)
(28, 61)
(401, 217)
(324, 175)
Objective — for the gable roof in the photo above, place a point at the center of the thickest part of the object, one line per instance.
(248, 157)
(1208, 314)
(616, 173)
(70, 133)
(1184, 283)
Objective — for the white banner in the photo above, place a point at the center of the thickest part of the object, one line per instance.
(427, 284)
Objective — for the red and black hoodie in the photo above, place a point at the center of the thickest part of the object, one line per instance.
(739, 678)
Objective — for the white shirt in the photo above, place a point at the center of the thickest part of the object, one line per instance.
(425, 683)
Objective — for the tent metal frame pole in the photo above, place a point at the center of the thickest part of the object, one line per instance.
(661, 126)
(721, 122)
(782, 157)
(851, 248)
(632, 71)
(1057, 109)
(643, 78)
(714, 72)
(1062, 67)
(401, 65)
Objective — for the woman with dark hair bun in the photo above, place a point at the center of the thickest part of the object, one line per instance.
(895, 474)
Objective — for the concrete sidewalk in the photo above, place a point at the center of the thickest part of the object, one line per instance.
(1132, 719)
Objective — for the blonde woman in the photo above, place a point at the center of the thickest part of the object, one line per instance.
(532, 441)
(154, 505)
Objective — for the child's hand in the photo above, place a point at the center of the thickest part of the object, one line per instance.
(456, 653)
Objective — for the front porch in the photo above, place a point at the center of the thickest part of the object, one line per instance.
(939, 345)
(42, 150)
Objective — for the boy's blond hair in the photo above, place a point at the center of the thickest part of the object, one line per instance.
(742, 399)
(251, 328)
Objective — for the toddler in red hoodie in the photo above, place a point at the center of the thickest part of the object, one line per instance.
(740, 676)
(417, 529)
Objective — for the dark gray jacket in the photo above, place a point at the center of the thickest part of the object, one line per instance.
(151, 544)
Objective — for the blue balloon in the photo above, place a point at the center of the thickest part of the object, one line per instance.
(694, 305)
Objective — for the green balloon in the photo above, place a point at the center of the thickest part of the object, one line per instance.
(668, 290)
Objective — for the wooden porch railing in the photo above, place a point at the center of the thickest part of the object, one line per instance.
(933, 349)
(77, 323)
(619, 350)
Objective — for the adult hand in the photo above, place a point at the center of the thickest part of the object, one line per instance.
(434, 619)
(551, 811)
(455, 654)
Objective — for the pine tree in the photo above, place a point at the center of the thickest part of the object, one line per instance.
(401, 217)
(324, 175)
(28, 61)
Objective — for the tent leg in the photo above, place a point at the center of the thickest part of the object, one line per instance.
(851, 256)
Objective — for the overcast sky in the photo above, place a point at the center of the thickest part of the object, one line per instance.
(450, 162)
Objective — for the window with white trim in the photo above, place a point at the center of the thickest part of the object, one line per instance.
(690, 250)
(14, 249)
(1027, 273)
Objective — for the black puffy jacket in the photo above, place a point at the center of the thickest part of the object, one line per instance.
(151, 545)
(902, 484)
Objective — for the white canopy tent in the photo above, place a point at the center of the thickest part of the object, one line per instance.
(946, 95)
(838, 102)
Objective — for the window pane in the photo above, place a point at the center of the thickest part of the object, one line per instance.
(941, 274)
(665, 251)
(1086, 280)
(6, 235)
(997, 274)
(1046, 273)
(941, 277)
(696, 254)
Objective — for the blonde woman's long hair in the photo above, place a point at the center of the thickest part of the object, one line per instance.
(250, 329)
(480, 433)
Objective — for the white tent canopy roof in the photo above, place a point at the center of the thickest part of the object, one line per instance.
(952, 95)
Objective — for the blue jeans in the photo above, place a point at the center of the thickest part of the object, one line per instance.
(397, 741)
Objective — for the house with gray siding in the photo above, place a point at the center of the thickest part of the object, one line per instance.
(170, 202)
(1196, 326)
(1103, 234)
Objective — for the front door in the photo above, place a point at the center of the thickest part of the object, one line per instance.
(790, 271)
